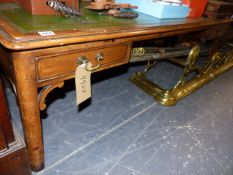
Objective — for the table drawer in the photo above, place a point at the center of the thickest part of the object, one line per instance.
(64, 63)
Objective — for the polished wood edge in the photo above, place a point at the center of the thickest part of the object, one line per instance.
(14, 40)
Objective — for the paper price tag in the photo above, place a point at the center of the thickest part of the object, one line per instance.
(83, 83)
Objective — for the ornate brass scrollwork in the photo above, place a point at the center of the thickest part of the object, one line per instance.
(189, 65)
(139, 51)
(218, 63)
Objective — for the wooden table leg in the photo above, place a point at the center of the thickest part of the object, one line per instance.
(27, 96)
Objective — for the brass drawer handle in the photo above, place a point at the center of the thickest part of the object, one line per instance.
(84, 60)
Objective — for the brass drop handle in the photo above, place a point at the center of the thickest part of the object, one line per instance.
(84, 60)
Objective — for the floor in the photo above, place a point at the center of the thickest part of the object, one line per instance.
(123, 131)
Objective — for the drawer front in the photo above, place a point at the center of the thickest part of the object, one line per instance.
(61, 64)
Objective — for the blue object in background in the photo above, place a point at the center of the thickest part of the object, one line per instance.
(161, 11)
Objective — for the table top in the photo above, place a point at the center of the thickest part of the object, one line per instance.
(19, 30)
